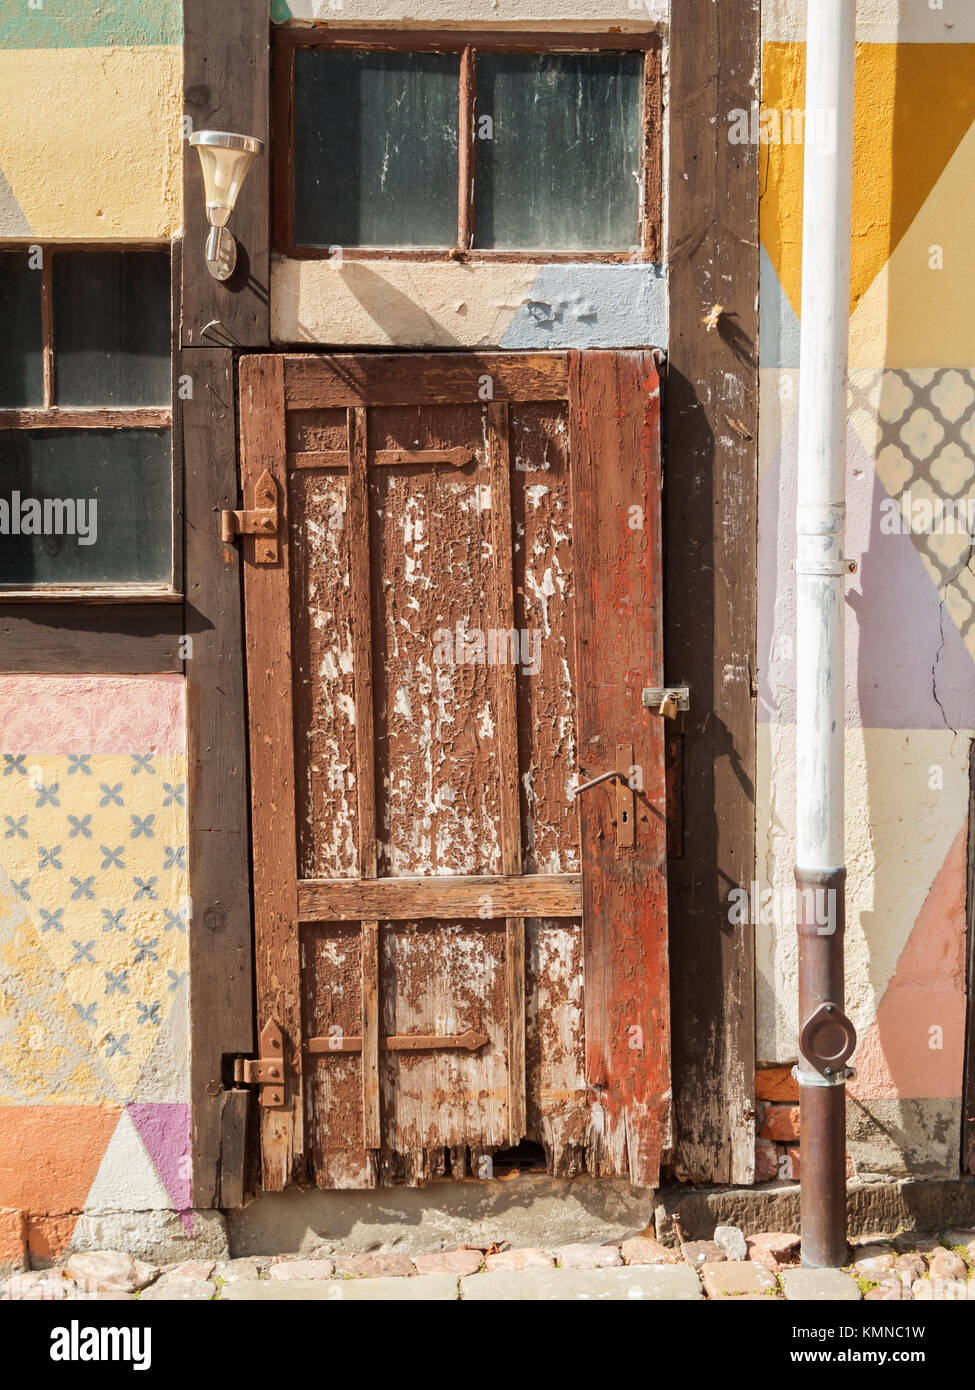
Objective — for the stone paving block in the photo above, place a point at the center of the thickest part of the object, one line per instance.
(733, 1278)
(663, 1284)
(581, 1255)
(875, 1266)
(111, 1269)
(696, 1252)
(302, 1269)
(947, 1264)
(433, 1288)
(807, 1285)
(230, 1271)
(190, 1269)
(641, 1250)
(528, 1258)
(773, 1248)
(460, 1262)
(179, 1291)
(374, 1266)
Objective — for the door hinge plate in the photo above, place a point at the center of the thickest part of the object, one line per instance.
(267, 1071)
(260, 520)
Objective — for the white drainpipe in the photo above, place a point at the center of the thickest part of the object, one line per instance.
(825, 1037)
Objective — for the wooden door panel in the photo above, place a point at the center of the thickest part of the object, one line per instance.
(455, 632)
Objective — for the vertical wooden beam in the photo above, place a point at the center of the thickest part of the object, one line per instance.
(221, 957)
(506, 696)
(614, 447)
(226, 87)
(269, 689)
(711, 520)
(357, 521)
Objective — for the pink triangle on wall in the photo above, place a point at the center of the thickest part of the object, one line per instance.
(914, 1049)
(165, 1130)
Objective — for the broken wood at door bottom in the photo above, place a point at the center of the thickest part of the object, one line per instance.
(403, 1042)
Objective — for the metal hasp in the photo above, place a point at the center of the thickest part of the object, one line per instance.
(669, 700)
(404, 1042)
(821, 569)
(267, 1071)
(260, 520)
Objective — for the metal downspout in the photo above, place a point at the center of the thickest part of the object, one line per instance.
(826, 1036)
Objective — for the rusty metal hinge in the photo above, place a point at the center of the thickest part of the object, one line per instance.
(260, 520)
(403, 1042)
(266, 1071)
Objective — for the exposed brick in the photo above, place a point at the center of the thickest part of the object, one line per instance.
(776, 1083)
(13, 1240)
(766, 1161)
(781, 1122)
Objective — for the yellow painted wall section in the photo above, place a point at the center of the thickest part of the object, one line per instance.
(90, 142)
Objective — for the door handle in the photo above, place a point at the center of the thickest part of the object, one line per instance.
(625, 798)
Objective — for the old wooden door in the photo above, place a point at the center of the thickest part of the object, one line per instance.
(452, 606)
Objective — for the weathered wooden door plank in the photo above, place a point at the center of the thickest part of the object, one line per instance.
(506, 696)
(269, 686)
(614, 441)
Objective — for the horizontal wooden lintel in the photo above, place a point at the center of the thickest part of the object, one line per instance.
(321, 382)
(406, 899)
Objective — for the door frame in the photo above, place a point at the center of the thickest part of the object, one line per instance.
(710, 426)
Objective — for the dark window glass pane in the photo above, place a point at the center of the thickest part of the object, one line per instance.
(561, 169)
(376, 148)
(111, 327)
(125, 538)
(21, 370)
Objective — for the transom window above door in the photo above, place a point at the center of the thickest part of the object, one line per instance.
(501, 147)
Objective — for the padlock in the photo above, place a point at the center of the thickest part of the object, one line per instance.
(668, 706)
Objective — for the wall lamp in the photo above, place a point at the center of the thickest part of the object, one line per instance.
(225, 159)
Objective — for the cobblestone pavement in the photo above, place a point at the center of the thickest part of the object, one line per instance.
(730, 1266)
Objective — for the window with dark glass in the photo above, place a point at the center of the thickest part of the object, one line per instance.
(480, 149)
(86, 479)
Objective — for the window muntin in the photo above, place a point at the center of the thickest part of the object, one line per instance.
(86, 476)
(565, 165)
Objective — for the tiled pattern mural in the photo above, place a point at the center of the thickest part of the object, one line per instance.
(910, 700)
(94, 915)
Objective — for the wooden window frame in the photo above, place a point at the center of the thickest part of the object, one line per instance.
(50, 416)
(286, 44)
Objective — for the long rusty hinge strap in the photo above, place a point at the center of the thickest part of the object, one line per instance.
(403, 1042)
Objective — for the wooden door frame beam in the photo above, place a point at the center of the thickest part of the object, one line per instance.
(711, 511)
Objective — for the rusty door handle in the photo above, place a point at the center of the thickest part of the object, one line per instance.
(597, 781)
(625, 798)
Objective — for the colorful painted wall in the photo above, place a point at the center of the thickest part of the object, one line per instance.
(90, 107)
(94, 1050)
(910, 693)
